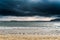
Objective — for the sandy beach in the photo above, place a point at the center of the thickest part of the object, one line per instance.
(29, 33)
(28, 37)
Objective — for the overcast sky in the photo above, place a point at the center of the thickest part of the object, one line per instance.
(29, 10)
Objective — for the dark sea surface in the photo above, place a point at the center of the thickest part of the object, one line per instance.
(29, 24)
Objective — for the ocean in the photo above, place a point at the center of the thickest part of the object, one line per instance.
(43, 28)
(29, 24)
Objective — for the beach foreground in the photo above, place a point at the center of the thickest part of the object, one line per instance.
(28, 37)
(29, 33)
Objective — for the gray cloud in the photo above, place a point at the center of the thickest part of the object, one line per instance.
(26, 8)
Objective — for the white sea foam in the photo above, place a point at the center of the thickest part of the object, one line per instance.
(30, 30)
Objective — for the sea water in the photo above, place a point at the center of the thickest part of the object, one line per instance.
(43, 28)
(29, 24)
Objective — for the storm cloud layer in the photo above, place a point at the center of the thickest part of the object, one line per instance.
(29, 7)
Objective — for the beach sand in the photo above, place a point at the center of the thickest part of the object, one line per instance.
(29, 34)
(28, 37)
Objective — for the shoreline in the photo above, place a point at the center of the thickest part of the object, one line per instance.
(29, 31)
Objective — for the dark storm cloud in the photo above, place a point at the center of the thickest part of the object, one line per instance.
(26, 8)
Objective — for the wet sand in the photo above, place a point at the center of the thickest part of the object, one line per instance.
(29, 34)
